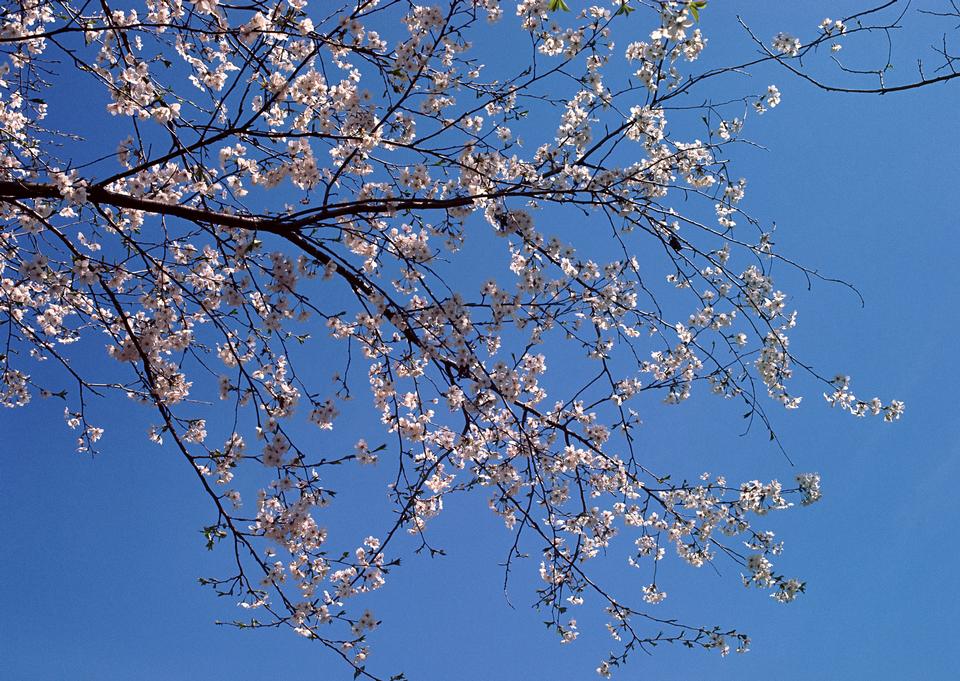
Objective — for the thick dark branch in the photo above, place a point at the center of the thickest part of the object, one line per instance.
(16, 191)
(870, 91)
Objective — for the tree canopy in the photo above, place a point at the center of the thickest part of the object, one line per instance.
(494, 234)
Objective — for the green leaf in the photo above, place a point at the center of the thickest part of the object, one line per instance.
(212, 533)
(558, 5)
(695, 8)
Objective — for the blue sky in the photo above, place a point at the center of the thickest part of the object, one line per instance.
(101, 555)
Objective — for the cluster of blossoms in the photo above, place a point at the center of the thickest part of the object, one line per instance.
(784, 43)
(846, 400)
(301, 234)
(830, 27)
(833, 28)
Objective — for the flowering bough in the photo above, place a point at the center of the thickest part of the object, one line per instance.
(290, 182)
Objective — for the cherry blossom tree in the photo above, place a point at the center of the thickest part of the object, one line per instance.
(250, 209)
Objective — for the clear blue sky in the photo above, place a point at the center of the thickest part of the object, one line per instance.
(101, 555)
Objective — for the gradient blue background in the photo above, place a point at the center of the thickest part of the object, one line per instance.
(100, 555)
